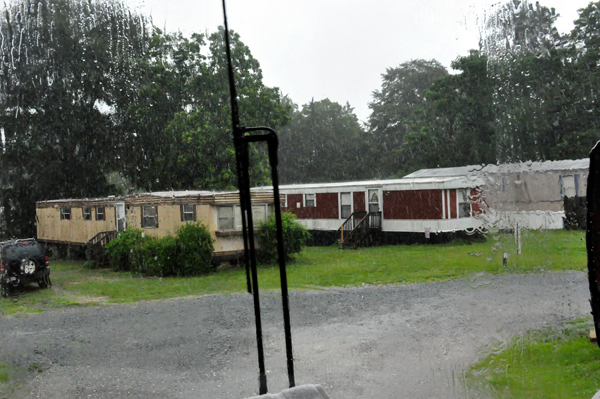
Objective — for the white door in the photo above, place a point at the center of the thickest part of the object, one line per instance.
(373, 198)
(120, 215)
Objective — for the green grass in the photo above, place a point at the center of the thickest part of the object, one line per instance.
(11, 378)
(553, 363)
(73, 284)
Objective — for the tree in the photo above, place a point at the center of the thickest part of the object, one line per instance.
(59, 62)
(456, 127)
(177, 121)
(324, 142)
(395, 110)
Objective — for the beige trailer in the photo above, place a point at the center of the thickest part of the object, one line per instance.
(76, 222)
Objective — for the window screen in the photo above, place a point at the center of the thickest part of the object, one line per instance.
(188, 213)
(149, 217)
(346, 205)
(226, 218)
(100, 213)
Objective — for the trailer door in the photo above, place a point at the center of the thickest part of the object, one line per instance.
(120, 215)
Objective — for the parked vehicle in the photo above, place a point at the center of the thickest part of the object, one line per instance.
(23, 261)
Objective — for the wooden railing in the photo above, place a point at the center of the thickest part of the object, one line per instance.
(359, 223)
(103, 238)
(352, 221)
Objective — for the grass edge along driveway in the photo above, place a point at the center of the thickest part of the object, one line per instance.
(542, 251)
(553, 363)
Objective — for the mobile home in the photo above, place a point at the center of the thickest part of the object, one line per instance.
(75, 222)
(397, 208)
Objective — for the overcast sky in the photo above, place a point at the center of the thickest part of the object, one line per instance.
(338, 49)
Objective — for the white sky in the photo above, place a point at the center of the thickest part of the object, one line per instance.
(338, 49)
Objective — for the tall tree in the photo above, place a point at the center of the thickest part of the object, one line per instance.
(59, 60)
(177, 120)
(324, 142)
(456, 128)
(395, 110)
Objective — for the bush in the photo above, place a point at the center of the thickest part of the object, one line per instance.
(295, 236)
(189, 253)
(119, 249)
(194, 250)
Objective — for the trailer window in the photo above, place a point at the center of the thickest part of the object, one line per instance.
(100, 213)
(226, 218)
(464, 205)
(346, 205)
(87, 213)
(149, 217)
(188, 213)
(65, 213)
(310, 200)
(259, 214)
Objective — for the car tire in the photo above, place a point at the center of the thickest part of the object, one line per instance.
(3, 287)
(44, 282)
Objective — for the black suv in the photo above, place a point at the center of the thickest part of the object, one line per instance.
(21, 262)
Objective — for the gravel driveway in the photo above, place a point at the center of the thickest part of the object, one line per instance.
(410, 341)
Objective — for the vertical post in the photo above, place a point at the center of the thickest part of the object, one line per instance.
(281, 252)
(519, 239)
(593, 235)
(241, 157)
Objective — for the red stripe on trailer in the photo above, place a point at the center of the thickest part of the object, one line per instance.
(453, 213)
(412, 204)
(476, 199)
(327, 206)
(359, 201)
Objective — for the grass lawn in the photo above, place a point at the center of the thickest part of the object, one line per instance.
(73, 284)
(553, 363)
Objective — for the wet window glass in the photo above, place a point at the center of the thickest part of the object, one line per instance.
(100, 213)
(188, 213)
(149, 216)
(433, 161)
(65, 213)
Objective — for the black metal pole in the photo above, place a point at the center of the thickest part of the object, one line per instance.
(241, 150)
(593, 235)
(282, 271)
(272, 141)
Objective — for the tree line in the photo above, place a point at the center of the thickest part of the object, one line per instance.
(95, 99)
(527, 93)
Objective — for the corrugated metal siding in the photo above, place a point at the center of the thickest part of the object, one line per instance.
(415, 204)
(358, 198)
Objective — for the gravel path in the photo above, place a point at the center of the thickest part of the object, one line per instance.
(411, 341)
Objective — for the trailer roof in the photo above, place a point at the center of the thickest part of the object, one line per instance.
(164, 197)
(401, 184)
(531, 167)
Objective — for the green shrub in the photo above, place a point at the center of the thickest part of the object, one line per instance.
(194, 250)
(295, 236)
(119, 250)
(189, 253)
(156, 256)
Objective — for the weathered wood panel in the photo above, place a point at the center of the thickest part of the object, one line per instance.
(76, 230)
